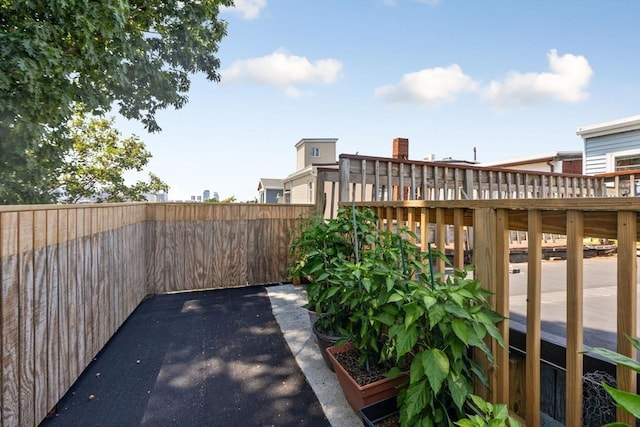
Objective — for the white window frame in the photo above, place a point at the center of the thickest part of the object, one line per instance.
(315, 152)
(611, 158)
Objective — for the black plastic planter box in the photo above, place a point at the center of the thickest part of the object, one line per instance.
(379, 411)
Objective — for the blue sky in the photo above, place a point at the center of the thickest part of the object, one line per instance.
(511, 78)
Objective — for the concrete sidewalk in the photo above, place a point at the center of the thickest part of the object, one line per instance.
(287, 302)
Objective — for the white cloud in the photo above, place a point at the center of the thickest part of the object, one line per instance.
(283, 69)
(567, 81)
(430, 86)
(248, 9)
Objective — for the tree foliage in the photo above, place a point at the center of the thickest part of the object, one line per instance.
(136, 55)
(95, 166)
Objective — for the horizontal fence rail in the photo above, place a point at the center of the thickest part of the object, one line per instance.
(491, 223)
(72, 274)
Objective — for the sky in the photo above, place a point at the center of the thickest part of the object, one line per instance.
(508, 78)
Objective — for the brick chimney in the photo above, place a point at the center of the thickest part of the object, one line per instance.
(401, 148)
(400, 152)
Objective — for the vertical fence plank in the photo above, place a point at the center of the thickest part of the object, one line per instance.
(63, 320)
(575, 235)
(87, 288)
(72, 291)
(424, 229)
(26, 331)
(441, 231)
(40, 303)
(627, 304)
(501, 290)
(458, 239)
(53, 333)
(10, 319)
(534, 289)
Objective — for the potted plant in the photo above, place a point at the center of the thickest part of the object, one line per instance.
(441, 321)
(317, 250)
(371, 289)
(444, 321)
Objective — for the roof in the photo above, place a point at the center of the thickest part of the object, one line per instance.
(607, 128)
(316, 141)
(270, 184)
(537, 158)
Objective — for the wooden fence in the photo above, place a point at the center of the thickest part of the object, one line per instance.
(71, 275)
(492, 220)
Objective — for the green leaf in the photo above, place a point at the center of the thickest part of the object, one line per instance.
(629, 401)
(429, 301)
(395, 297)
(415, 400)
(482, 404)
(465, 423)
(436, 367)
(416, 371)
(616, 358)
(457, 311)
(459, 390)
(461, 330)
(406, 340)
(436, 314)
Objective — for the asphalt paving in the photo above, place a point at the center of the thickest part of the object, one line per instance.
(207, 358)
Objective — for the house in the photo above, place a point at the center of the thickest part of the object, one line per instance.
(270, 190)
(611, 146)
(311, 154)
(612, 151)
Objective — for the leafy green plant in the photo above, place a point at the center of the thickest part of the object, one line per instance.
(372, 289)
(319, 249)
(442, 323)
(630, 402)
(487, 415)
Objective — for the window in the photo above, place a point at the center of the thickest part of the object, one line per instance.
(315, 152)
(626, 163)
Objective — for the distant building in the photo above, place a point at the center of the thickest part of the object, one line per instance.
(311, 153)
(214, 196)
(206, 195)
(612, 146)
(270, 190)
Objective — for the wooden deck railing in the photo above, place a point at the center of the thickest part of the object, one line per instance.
(621, 183)
(492, 220)
(71, 275)
(384, 179)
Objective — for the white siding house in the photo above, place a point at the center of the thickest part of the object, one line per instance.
(612, 146)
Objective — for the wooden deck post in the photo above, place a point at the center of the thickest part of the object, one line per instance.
(484, 254)
(627, 304)
(575, 235)
(501, 306)
(534, 289)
